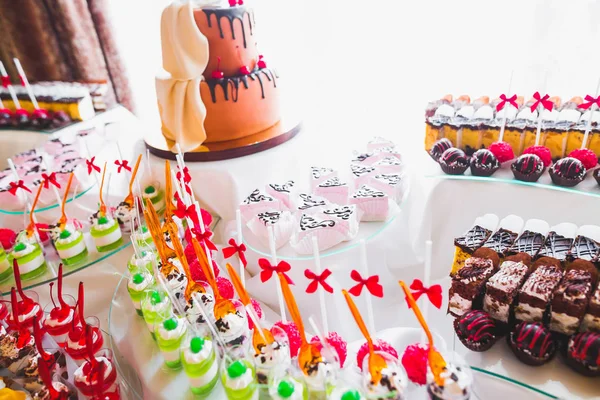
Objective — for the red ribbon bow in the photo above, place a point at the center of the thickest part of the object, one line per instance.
(434, 293)
(316, 280)
(268, 270)
(182, 212)
(186, 179)
(205, 237)
(122, 164)
(510, 100)
(14, 186)
(50, 179)
(235, 248)
(91, 166)
(547, 104)
(590, 102)
(6, 81)
(372, 284)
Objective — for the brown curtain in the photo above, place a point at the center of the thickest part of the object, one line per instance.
(63, 40)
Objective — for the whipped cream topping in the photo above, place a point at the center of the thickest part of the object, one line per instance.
(240, 382)
(54, 322)
(198, 358)
(176, 333)
(231, 326)
(81, 376)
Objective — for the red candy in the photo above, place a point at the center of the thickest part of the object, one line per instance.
(415, 361)
(291, 330)
(502, 151)
(225, 287)
(587, 157)
(379, 345)
(257, 310)
(542, 152)
(197, 274)
(337, 342)
(7, 238)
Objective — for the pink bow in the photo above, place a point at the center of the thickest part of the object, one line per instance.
(547, 104)
(50, 179)
(91, 166)
(14, 186)
(510, 100)
(316, 280)
(372, 284)
(590, 102)
(434, 293)
(235, 248)
(122, 164)
(268, 270)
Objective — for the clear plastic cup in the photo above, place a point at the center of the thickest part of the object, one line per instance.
(238, 377)
(201, 364)
(89, 382)
(273, 356)
(287, 382)
(76, 343)
(59, 321)
(156, 307)
(170, 335)
(394, 376)
(457, 377)
(139, 282)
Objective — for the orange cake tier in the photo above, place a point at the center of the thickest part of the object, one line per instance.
(240, 106)
(230, 35)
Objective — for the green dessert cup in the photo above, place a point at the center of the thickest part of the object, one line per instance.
(107, 234)
(145, 261)
(156, 307)
(201, 365)
(156, 196)
(169, 336)
(6, 270)
(30, 259)
(239, 381)
(71, 247)
(139, 282)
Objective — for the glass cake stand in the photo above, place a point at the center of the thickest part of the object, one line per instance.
(52, 262)
(589, 186)
(367, 231)
(49, 207)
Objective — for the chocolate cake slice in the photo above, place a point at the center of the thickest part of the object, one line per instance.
(473, 239)
(584, 248)
(536, 293)
(529, 242)
(556, 246)
(502, 289)
(467, 285)
(501, 241)
(591, 320)
(570, 300)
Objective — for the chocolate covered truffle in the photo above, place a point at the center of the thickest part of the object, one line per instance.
(439, 148)
(528, 168)
(583, 353)
(567, 172)
(532, 343)
(454, 161)
(597, 175)
(476, 330)
(484, 163)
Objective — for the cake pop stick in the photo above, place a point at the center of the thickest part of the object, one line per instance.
(376, 361)
(436, 361)
(502, 105)
(365, 268)
(544, 103)
(427, 277)
(321, 290)
(63, 217)
(49, 183)
(90, 159)
(588, 126)
(25, 83)
(6, 83)
(238, 223)
(273, 249)
(130, 199)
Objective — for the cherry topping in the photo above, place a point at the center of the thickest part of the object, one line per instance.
(244, 70)
(232, 3)
(261, 62)
(218, 74)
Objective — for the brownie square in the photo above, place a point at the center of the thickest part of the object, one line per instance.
(473, 239)
(570, 301)
(529, 242)
(502, 289)
(591, 320)
(556, 246)
(468, 284)
(501, 241)
(536, 293)
(584, 248)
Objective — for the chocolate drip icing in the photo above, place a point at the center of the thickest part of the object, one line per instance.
(501, 241)
(232, 14)
(473, 239)
(234, 81)
(529, 242)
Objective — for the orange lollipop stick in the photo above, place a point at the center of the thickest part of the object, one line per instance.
(129, 199)
(191, 287)
(31, 228)
(102, 205)
(436, 361)
(237, 284)
(376, 361)
(63, 218)
(168, 188)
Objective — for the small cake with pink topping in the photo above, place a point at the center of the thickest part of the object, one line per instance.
(334, 190)
(373, 203)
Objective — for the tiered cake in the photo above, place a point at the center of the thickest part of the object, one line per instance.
(218, 87)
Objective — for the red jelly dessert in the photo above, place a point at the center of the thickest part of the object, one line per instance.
(542, 152)
(503, 151)
(59, 320)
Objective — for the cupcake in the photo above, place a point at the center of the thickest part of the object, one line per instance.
(476, 330)
(583, 353)
(484, 163)
(439, 148)
(532, 343)
(454, 161)
(567, 172)
(527, 168)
